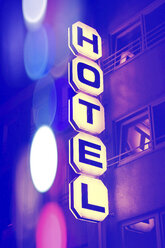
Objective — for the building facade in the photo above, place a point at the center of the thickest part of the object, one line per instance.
(133, 44)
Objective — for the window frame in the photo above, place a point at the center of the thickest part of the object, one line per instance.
(161, 144)
(125, 121)
(121, 31)
(116, 159)
(152, 7)
(139, 219)
(110, 63)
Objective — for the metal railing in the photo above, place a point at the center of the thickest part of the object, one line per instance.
(120, 157)
(133, 152)
(134, 48)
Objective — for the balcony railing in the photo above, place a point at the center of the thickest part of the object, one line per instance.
(134, 48)
(132, 153)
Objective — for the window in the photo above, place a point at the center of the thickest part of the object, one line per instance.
(141, 234)
(138, 133)
(155, 24)
(130, 40)
(159, 122)
(127, 42)
(145, 232)
(134, 134)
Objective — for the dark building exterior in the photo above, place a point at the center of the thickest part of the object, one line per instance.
(133, 37)
(134, 103)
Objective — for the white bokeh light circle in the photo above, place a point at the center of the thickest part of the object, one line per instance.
(34, 11)
(43, 159)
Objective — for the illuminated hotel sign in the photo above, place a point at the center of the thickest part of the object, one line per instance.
(88, 196)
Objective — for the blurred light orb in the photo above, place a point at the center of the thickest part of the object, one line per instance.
(43, 159)
(36, 53)
(51, 228)
(34, 11)
(44, 102)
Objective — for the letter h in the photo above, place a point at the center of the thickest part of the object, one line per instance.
(82, 38)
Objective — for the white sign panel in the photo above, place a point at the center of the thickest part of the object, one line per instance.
(86, 75)
(88, 196)
(86, 113)
(87, 155)
(88, 199)
(84, 40)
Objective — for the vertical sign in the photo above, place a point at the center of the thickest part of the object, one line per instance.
(88, 196)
